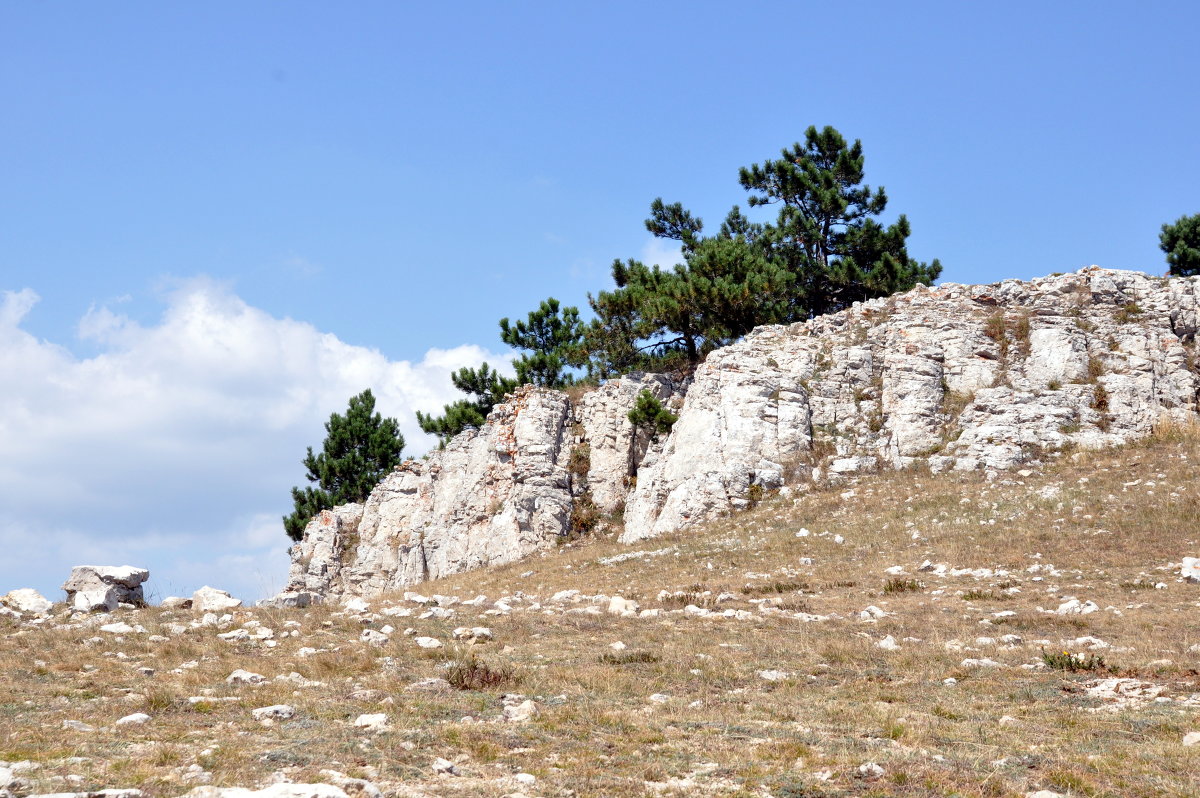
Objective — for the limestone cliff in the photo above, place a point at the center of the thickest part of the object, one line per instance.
(963, 377)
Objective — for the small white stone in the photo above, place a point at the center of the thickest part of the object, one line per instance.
(869, 770)
(888, 644)
(136, 719)
(274, 712)
(1190, 569)
(428, 642)
(245, 677)
(118, 628)
(1191, 738)
(519, 713)
(372, 722)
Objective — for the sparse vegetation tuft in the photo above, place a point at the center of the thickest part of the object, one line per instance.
(469, 672)
(1065, 661)
(898, 585)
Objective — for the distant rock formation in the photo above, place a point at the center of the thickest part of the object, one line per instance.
(952, 377)
(100, 588)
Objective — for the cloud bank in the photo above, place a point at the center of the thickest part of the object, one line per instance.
(173, 448)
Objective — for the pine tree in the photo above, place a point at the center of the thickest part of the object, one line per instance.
(1181, 242)
(649, 413)
(485, 386)
(552, 337)
(823, 252)
(360, 448)
(824, 233)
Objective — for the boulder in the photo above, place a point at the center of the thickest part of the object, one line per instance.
(92, 588)
(28, 601)
(209, 599)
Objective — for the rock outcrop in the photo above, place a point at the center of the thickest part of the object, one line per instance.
(492, 495)
(953, 377)
(27, 600)
(93, 588)
(963, 377)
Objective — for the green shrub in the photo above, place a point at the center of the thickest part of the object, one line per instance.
(1065, 661)
(649, 413)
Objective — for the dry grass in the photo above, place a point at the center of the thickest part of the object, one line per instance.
(1099, 526)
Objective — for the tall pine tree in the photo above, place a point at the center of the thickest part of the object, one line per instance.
(824, 251)
(825, 233)
(360, 448)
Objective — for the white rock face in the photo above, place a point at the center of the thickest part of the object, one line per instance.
(960, 377)
(615, 449)
(27, 600)
(93, 588)
(493, 495)
(964, 377)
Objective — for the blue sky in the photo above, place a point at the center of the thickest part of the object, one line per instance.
(220, 220)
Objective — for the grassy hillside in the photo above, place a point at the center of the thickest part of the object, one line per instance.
(761, 673)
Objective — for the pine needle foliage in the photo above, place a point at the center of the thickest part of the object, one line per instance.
(824, 251)
(649, 413)
(485, 388)
(360, 448)
(1181, 242)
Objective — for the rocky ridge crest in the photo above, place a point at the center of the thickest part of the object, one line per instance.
(953, 377)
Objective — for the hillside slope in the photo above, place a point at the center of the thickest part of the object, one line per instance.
(898, 634)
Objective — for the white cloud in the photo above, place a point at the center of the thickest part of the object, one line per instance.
(175, 446)
(662, 252)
